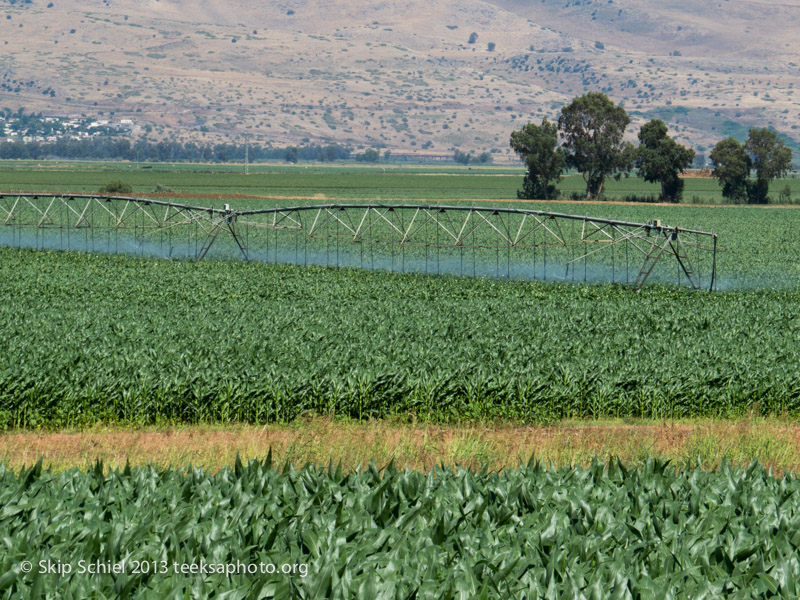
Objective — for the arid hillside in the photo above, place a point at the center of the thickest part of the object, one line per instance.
(409, 76)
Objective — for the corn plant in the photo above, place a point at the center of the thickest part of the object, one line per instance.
(607, 531)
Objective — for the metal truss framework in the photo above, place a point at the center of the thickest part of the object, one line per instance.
(572, 240)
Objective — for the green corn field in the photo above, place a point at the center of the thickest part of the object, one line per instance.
(94, 338)
(600, 532)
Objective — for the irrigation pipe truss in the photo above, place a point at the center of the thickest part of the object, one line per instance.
(414, 231)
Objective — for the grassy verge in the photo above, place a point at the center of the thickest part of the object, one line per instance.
(775, 442)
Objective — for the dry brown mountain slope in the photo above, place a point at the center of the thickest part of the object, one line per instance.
(401, 74)
(710, 29)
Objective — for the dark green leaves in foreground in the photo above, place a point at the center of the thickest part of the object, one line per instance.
(532, 532)
(141, 341)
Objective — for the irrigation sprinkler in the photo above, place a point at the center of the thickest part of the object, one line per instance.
(499, 241)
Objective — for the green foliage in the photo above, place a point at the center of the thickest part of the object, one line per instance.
(731, 168)
(116, 187)
(638, 198)
(111, 146)
(785, 197)
(370, 156)
(764, 152)
(605, 531)
(660, 159)
(537, 145)
(700, 160)
(770, 159)
(462, 157)
(223, 342)
(592, 128)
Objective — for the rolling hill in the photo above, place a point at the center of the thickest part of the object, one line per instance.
(401, 75)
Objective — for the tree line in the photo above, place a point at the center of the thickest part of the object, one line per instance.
(591, 129)
(145, 150)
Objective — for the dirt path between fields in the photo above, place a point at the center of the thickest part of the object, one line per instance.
(774, 442)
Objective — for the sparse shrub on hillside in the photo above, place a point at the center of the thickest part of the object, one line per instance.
(473, 37)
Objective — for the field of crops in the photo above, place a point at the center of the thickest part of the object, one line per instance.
(131, 341)
(331, 181)
(138, 340)
(530, 532)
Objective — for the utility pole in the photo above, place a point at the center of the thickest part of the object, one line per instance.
(246, 153)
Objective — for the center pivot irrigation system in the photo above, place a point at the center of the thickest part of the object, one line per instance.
(461, 240)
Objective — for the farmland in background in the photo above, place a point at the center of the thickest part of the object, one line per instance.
(418, 182)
